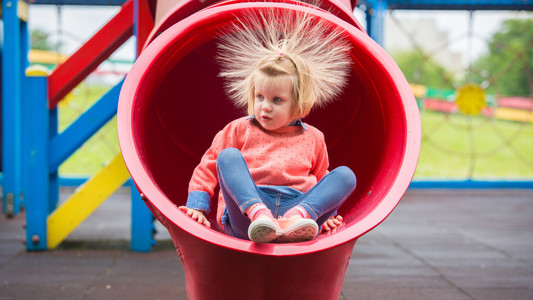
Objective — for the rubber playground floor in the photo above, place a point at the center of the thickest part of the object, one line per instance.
(437, 244)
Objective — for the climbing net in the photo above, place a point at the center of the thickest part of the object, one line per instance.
(469, 130)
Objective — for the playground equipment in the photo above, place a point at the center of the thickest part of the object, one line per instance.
(35, 183)
(172, 104)
(32, 147)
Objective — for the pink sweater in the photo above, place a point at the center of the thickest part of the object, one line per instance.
(290, 156)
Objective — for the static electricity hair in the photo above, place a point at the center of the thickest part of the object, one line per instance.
(284, 45)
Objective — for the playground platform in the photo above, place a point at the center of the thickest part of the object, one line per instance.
(437, 244)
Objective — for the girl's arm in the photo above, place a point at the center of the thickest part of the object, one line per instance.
(204, 179)
(321, 166)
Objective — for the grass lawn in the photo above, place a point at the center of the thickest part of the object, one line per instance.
(101, 147)
(453, 146)
(462, 147)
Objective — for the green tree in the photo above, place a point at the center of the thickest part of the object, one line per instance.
(40, 40)
(420, 68)
(508, 64)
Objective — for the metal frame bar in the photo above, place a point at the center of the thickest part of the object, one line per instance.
(454, 4)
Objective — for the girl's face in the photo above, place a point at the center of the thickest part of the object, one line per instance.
(273, 103)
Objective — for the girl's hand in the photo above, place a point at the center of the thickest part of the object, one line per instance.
(196, 215)
(332, 223)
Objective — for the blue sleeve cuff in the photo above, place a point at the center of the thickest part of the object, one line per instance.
(199, 200)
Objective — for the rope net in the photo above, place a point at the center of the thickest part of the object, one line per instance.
(471, 127)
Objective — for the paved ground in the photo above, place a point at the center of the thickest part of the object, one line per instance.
(453, 245)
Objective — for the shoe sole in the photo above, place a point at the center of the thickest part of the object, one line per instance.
(301, 231)
(262, 231)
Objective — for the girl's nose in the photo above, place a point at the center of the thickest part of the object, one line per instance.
(266, 106)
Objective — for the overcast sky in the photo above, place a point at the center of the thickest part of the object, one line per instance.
(73, 25)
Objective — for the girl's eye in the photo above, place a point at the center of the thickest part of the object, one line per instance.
(260, 97)
(278, 100)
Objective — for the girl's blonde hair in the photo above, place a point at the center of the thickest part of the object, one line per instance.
(280, 45)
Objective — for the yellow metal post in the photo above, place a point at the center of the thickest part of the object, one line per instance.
(86, 200)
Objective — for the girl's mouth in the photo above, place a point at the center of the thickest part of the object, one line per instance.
(266, 118)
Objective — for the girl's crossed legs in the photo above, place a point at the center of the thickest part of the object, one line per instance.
(240, 192)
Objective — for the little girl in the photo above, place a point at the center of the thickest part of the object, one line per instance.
(271, 167)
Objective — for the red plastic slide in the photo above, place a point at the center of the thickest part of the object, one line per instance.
(171, 106)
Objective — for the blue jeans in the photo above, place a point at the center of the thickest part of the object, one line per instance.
(240, 191)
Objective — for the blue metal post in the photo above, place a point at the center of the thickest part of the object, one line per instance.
(53, 191)
(37, 197)
(375, 19)
(142, 223)
(14, 51)
(142, 220)
(368, 17)
(67, 142)
(24, 63)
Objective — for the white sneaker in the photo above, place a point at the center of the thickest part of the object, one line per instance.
(297, 229)
(264, 230)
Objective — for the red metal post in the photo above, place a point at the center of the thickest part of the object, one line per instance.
(97, 49)
(145, 22)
